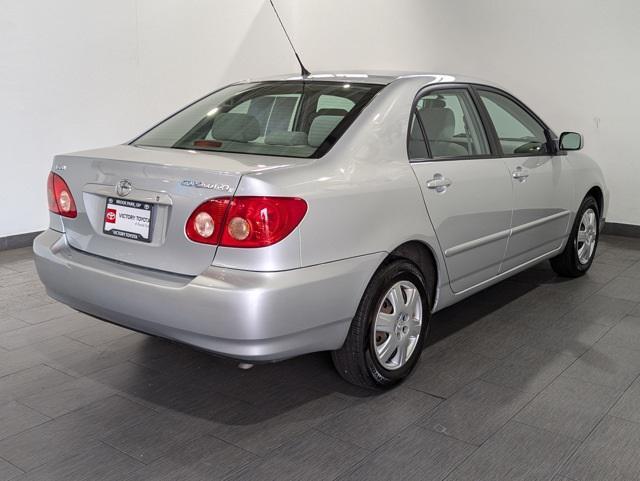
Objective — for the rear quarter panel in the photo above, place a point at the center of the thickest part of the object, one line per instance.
(363, 196)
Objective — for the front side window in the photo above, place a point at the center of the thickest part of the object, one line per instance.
(518, 132)
(451, 124)
(281, 118)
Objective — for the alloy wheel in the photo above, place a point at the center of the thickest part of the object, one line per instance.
(587, 236)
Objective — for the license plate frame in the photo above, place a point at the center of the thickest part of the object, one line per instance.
(124, 219)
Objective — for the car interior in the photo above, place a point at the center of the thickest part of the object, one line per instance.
(449, 133)
(275, 120)
(452, 127)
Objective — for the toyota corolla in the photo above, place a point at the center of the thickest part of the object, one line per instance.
(321, 212)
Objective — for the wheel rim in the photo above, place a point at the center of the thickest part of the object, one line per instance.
(398, 325)
(587, 236)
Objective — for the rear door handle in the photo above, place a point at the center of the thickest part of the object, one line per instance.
(439, 183)
(520, 174)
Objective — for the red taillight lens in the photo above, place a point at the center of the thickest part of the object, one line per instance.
(206, 223)
(261, 221)
(59, 195)
(245, 221)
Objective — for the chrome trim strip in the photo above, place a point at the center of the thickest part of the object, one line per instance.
(140, 195)
(472, 244)
(537, 222)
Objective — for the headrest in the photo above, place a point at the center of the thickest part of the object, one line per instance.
(435, 103)
(342, 112)
(235, 127)
(321, 127)
(283, 137)
(440, 123)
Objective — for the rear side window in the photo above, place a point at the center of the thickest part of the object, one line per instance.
(288, 118)
(518, 132)
(451, 124)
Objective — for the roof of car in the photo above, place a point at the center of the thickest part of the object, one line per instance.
(380, 77)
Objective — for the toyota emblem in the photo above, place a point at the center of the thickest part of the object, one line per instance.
(123, 188)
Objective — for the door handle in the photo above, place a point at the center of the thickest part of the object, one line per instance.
(520, 174)
(439, 183)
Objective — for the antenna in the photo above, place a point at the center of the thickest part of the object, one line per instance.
(304, 71)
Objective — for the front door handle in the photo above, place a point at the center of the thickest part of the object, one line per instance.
(439, 183)
(520, 174)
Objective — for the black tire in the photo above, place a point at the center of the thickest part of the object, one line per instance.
(568, 263)
(356, 360)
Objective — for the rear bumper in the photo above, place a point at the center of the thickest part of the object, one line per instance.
(255, 316)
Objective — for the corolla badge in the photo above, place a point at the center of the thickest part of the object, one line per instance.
(123, 188)
(205, 185)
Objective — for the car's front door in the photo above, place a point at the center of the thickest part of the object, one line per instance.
(542, 187)
(467, 190)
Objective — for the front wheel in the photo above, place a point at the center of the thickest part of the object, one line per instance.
(581, 246)
(389, 329)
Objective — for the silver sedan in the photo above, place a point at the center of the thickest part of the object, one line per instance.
(331, 212)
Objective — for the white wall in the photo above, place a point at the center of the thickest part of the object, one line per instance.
(77, 74)
(575, 62)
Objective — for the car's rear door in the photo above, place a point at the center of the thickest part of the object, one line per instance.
(542, 185)
(467, 189)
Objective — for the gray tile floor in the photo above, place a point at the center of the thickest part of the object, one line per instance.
(537, 378)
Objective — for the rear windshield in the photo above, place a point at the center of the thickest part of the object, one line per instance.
(289, 118)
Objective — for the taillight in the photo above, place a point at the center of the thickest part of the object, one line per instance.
(59, 195)
(261, 221)
(245, 221)
(205, 224)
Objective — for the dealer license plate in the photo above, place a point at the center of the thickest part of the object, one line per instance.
(128, 219)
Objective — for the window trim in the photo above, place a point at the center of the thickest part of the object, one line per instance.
(551, 137)
(428, 89)
(414, 112)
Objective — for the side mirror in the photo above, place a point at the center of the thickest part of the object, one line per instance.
(570, 141)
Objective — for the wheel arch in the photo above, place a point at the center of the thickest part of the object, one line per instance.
(423, 256)
(598, 195)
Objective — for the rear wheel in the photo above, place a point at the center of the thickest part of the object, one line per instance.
(389, 329)
(580, 250)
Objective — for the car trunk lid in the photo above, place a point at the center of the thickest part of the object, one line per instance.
(169, 183)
